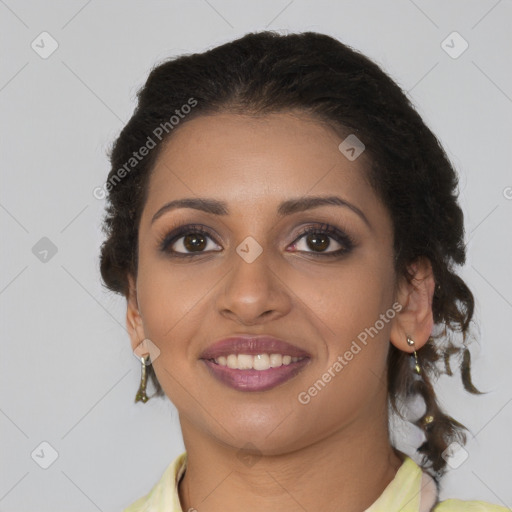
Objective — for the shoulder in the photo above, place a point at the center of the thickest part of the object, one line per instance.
(163, 497)
(468, 506)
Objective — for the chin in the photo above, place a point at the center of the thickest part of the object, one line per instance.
(272, 437)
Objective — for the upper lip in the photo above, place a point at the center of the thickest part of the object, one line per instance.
(252, 345)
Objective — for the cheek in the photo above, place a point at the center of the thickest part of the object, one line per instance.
(170, 303)
(356, 322)
(348, 298)
(172, 299)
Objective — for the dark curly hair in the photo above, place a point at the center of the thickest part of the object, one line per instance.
(267, 72)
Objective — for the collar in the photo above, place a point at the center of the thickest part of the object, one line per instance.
(411, 490)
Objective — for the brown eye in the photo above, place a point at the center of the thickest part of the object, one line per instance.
(194, 242)
(188, 240)
(323, 240)
(318, 241)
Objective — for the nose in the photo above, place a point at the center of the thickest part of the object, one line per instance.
(254, 292)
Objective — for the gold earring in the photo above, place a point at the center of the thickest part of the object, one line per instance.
(141, 393)
(417, 368)
(428, 418)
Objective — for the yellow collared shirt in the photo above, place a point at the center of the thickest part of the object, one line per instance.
(411, 490)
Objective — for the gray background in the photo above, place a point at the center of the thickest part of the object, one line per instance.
(68, 376)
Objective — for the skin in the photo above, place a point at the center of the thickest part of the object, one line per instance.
(333, 453)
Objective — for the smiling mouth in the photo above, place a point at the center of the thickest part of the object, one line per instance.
(258, 362)
(245, 372)
(248, 362)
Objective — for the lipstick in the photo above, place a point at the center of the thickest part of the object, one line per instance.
(254, 363)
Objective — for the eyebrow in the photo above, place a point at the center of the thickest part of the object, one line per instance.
(216, 207)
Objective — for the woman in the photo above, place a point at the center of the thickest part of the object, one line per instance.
(284, 227)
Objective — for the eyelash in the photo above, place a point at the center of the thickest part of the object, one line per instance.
(325, 229)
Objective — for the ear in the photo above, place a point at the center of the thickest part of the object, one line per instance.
(134, 319)
(415, 319)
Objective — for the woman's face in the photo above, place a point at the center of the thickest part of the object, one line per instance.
(254, 272)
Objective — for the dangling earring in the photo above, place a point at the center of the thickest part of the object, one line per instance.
(141, 393)
(417, 368)
(428, 418)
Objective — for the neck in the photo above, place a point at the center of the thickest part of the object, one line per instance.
(347, 471)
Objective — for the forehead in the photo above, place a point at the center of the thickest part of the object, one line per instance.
(256, 162)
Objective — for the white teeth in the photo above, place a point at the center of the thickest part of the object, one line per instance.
(258, 362)
(276, 360)
(245, 361)
(232, 361)
(261, 362)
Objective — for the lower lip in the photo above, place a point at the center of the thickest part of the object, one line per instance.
(255, 380)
